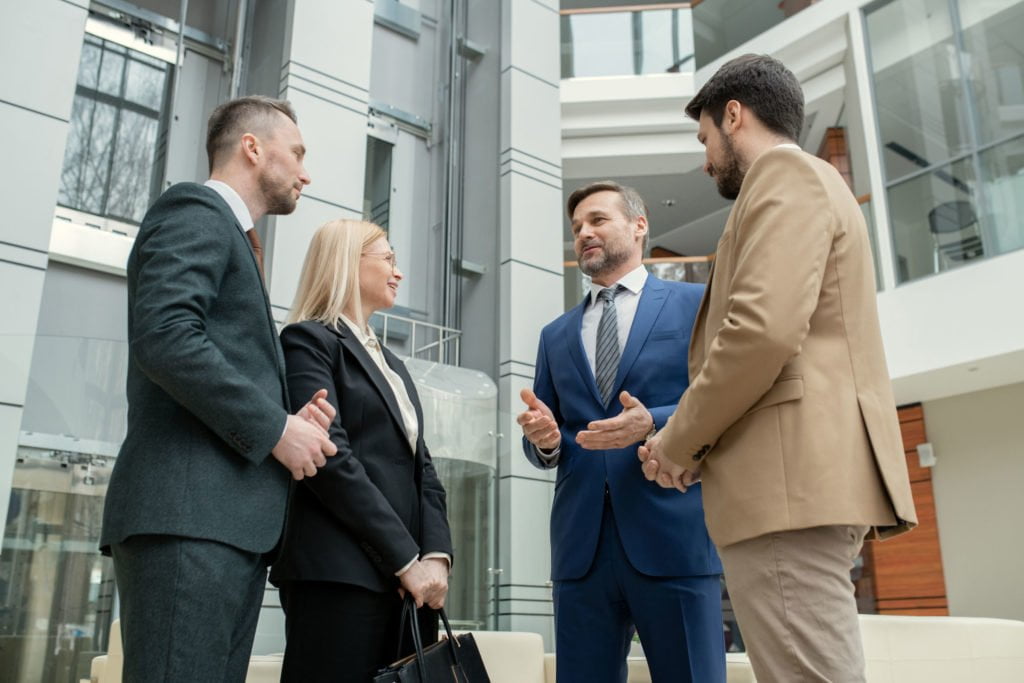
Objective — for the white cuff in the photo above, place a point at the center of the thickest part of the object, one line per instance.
(406, 567)
(447, 558)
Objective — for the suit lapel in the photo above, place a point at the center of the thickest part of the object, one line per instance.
(279, 352)
(377, 379)
(652, 300)
(410, 387)
(574, 340)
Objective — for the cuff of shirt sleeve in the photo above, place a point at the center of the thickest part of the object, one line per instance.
(407, 567)
(447, 558)
(549, 457)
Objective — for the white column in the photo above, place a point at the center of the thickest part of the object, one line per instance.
(857, 41)
(325, 74)
(40, 43)
(530, 215)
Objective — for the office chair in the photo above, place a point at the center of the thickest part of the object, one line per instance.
(955, 233)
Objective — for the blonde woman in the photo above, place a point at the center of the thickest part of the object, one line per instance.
(372, 525)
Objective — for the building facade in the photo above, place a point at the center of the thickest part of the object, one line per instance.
(461, 126)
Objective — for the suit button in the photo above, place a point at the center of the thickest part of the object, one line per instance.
(696, 456)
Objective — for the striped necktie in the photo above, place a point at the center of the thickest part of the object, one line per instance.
(606, 355)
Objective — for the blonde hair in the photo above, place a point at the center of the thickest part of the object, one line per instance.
(329, 283)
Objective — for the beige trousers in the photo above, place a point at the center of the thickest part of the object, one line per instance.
(794, 602)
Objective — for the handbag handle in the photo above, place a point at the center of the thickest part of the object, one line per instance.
(409, 611)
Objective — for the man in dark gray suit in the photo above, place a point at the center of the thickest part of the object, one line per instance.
(195, 502)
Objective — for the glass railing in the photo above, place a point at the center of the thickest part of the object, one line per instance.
(720, 26)
(620, 41)
(460, 413)
(57, 596)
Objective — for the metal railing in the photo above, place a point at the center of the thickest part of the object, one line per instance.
(417, 338)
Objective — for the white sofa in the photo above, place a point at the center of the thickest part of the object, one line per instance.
(942, 649)
(897, 649)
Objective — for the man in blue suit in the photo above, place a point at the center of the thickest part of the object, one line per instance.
(625, 553)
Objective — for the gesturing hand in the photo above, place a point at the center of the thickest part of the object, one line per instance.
(538, 422)
(628, 427)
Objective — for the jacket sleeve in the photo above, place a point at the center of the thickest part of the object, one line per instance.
(179, 266)
(544, 388)
(343, 485)
(436, 535)
(781, 248)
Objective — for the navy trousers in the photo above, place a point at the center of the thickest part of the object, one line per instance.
(678, 619)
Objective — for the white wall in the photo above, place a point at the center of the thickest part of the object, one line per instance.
(979, 444)
(39, 43)
(937, 329)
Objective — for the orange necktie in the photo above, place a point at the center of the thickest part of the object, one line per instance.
(257, 249)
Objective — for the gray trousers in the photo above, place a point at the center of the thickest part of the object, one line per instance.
(188, 608)
(794, 601)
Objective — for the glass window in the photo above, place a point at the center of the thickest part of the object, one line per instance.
(622, 43)
(109, 161)
(1002, 173)
(992, 31)
(601, 44)
(935, 223)
(949, 88)
(377, 186)
(920, 97)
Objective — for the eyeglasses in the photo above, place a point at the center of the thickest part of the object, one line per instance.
(389, 257)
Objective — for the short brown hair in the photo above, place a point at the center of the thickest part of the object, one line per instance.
(234, 118)
(633, 205)
(759, 82)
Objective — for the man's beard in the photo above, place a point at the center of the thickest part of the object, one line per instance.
(729, 176)
(279, 198)
(609, 260)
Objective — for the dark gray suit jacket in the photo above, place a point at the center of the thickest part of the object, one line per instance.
(207, 398)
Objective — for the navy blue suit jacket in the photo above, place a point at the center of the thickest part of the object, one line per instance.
(662, 530)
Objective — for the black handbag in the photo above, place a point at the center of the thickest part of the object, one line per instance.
(454, 660)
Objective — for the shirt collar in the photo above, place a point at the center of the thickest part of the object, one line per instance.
(234, 202)
(633, 281)
(365, 335)
(788, 145)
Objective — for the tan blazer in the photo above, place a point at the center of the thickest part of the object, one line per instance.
(790, 412)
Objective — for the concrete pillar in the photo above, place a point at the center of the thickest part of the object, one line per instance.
(530, 295)
(40, 43)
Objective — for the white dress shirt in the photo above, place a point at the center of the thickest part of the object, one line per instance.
(370, 342)
(626, 302)
(234, 202)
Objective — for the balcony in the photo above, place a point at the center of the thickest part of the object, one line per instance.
(624, 41)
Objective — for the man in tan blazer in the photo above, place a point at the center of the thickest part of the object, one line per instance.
(789, 418)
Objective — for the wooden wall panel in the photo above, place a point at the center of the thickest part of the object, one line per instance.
(906, 572)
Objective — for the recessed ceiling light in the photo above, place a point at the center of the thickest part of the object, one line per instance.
(668, 202)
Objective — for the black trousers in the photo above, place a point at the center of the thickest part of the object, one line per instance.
(189, 608)
(340, 633)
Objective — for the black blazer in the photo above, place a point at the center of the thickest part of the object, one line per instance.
(375, 505)
(206, 389)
